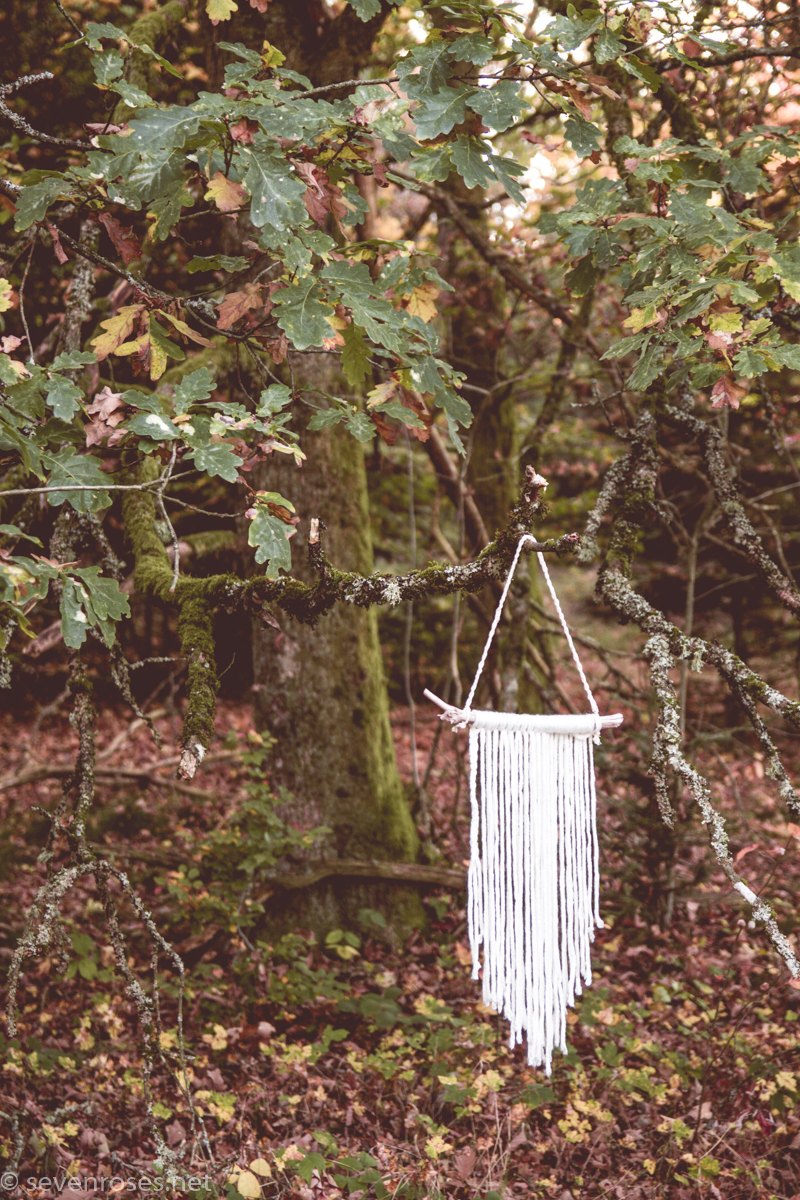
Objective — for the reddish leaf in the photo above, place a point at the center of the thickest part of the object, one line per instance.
(322, 196)
(726, 393)
(105, 404)
(261, 5)
(746, 850)
(416, 405)
(102, 127)
(125, 240)
(61, 253)
(244, 131)
(387, 433)
(720, 341)
(236, 304)
(278, 348)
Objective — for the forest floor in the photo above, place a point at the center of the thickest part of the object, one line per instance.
(364, 1069)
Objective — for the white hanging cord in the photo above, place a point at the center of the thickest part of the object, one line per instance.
(526, 537)
(567, 635)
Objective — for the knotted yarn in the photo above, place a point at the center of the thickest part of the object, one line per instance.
(534, 879)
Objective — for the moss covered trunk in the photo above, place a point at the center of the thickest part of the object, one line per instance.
(321, 693)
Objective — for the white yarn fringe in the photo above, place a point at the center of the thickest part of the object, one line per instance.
(534, 879)
(533, 886)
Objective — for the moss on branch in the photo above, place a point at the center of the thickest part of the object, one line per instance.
(197, 600)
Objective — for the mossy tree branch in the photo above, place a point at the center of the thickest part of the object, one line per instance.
(196, 599)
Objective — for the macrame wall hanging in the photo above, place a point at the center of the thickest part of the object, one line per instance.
(533, 882)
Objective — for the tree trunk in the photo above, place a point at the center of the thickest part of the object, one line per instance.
(321, 693)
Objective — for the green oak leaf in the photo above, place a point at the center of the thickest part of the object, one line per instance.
(743, 175)
(167, 210)
(506, 171)
(63, 397)
(35, 199)
(301, 314)
(440, 112)
(215, 458)
(583, 136)
(163, 128)
(13, 531)
(749, 362)
(426, 69)
(583, 276)
(365, 9)
(81, 470)
(433, 164)
(217, 262)
(359, 424)
(108, 67)
(607, 47)
(469, 159)
(155, 426)
(571, 31)
(194, 387)
(268, 535)
(155, 174)
(355, 356)
(499, 105)
(276, 193)
(648, 368)
(273, 399)
(72, 359)
(474, 48)
(324, 418)
(74, 618)
(355, 289)
(108, 600)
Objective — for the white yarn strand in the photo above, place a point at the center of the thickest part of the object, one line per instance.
(533, 880)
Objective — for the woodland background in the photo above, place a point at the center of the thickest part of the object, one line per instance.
(562, 240)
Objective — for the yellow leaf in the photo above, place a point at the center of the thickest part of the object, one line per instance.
(640, 318)
(725, 322)
(261, 1167)
(185, 330)
(650, 1166)
(218, 1040)
(6, 294)
(436, 1146)
(134, 347)
(158, 360)
(227, 195)
(117, 329)
(423, 301)
(220, 10)
(381, 393)
(248, 1186)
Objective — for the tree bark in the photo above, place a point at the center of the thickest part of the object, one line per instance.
(321, 691)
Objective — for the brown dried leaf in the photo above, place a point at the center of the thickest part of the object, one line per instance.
(726, 393)
(387, 433)
(61, 253)
(125, 240)
(105, 403)
(244, 131)
(236, 304)
(278, 348)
